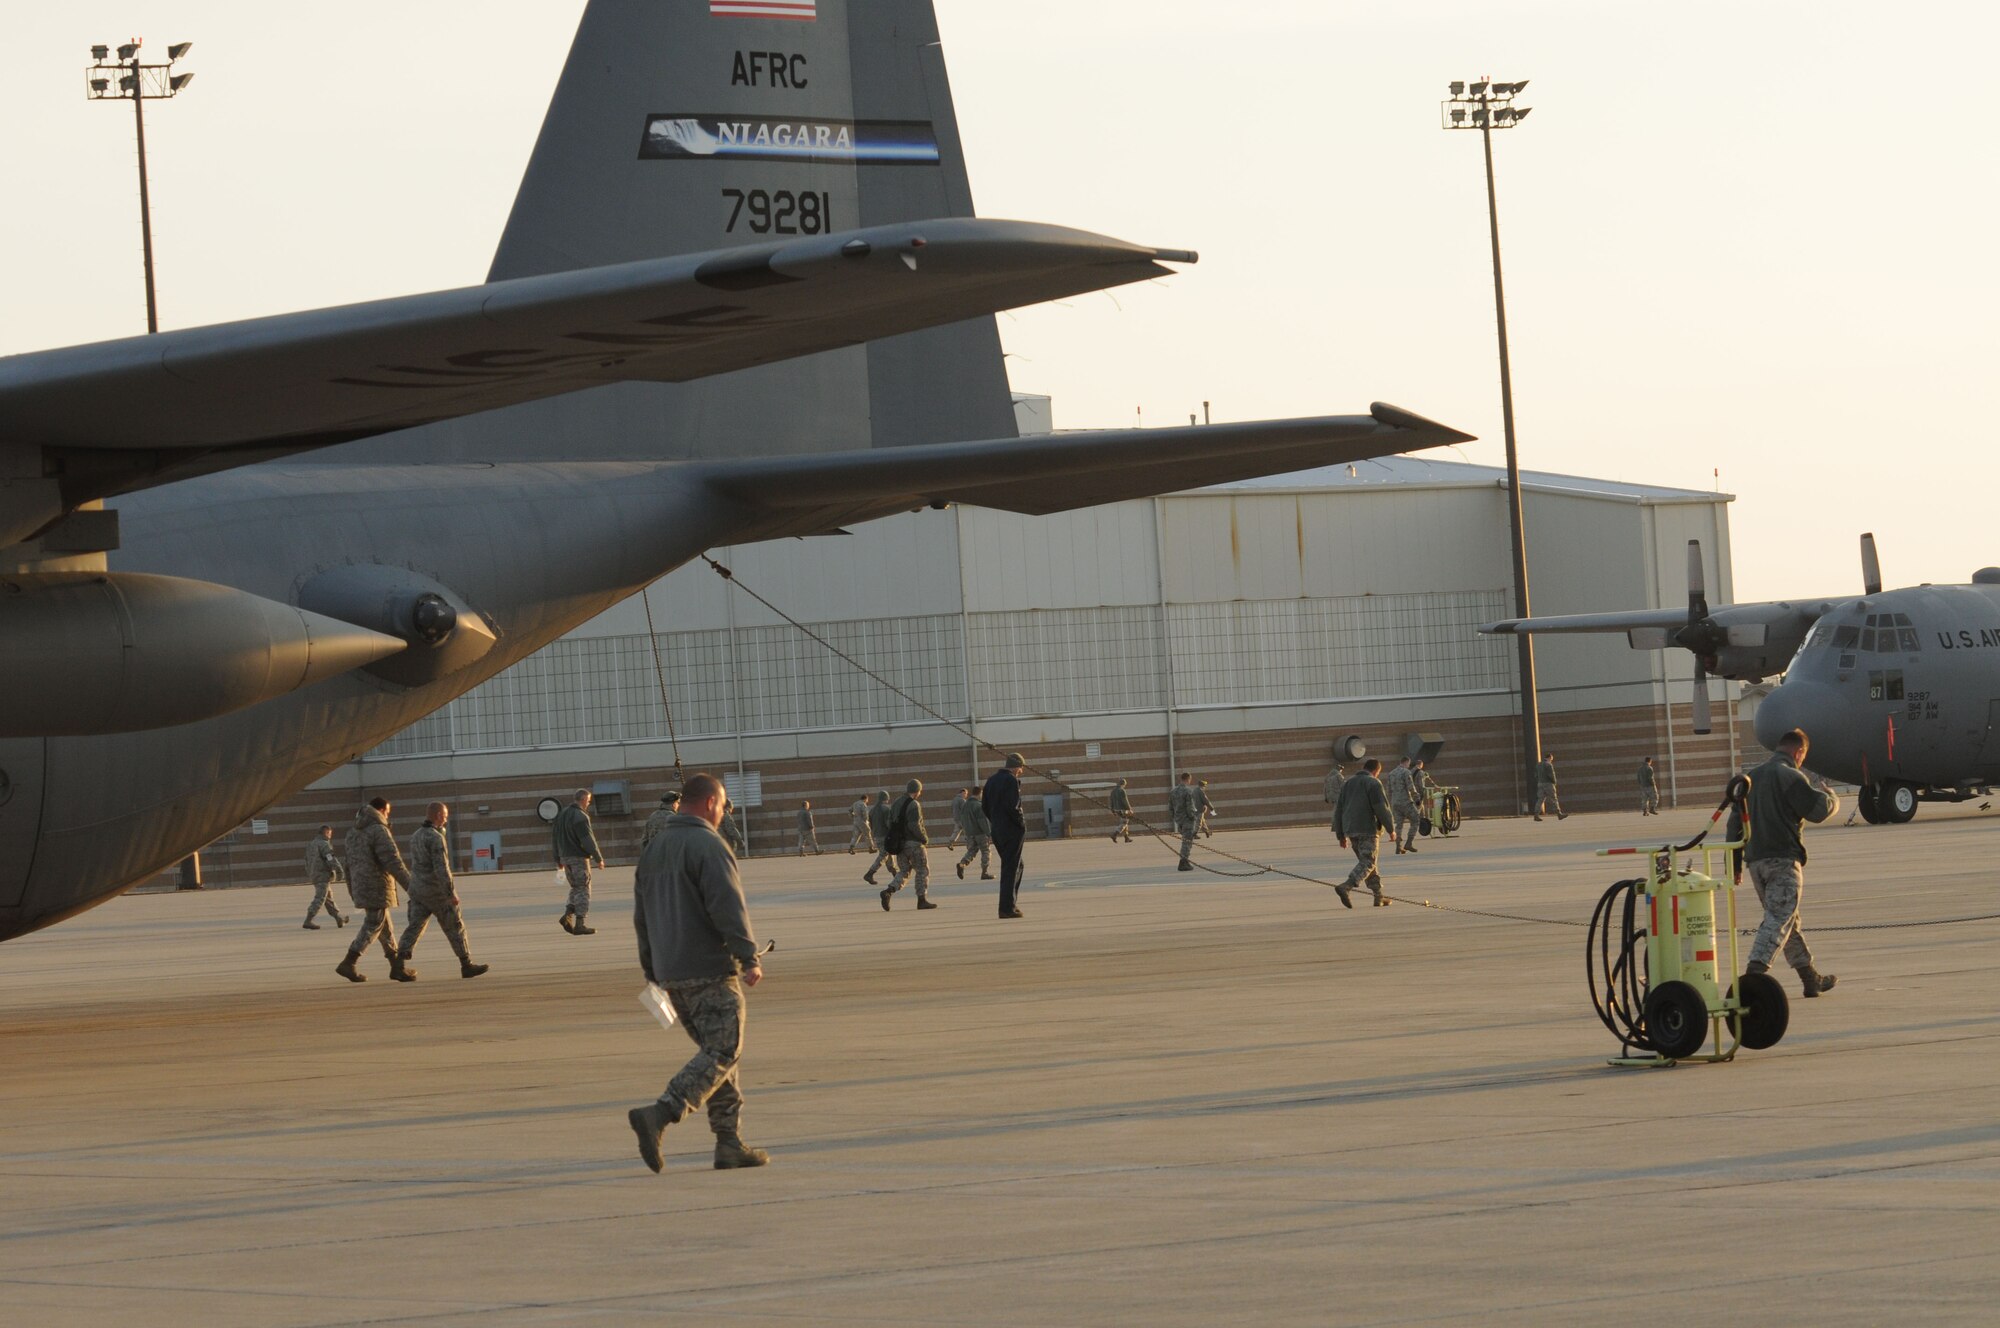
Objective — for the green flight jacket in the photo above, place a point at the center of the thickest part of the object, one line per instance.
(1363, 809)
(1781, 799)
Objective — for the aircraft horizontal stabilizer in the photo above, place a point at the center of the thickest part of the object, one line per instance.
(1059, 472)
(1632, 623)
(252, 390)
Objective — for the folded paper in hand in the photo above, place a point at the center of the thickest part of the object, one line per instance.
(656, 1003)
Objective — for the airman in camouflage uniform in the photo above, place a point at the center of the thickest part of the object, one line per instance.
(808, 832)
(669, 804)
(1206, 807)
(878, 821)
(906, 820)
(1184, 806)
(862, 837)
(575, 849)
(1649, 788)
(1121, 807)
(1401, 788)
(1363, 813)
(433, 892)
(978, 838)
(695, 942)
(322, 870)
(1545, 788)
(374, 868)
(1782, 798)
(957, 818)
(1334, 779)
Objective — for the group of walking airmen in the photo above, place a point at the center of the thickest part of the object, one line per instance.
(692, 919)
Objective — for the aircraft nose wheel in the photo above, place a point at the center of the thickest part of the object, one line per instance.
(1897, 801)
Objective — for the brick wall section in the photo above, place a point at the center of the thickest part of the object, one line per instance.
(1256, 779)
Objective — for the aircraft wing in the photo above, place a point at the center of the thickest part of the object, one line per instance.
(820, 493)
(122, 415)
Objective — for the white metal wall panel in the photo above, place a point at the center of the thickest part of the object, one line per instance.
(1067, 661)
(1071, 560)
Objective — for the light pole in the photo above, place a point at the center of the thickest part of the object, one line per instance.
(106, 79)
(1487, 106)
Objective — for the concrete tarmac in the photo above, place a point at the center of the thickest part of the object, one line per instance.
(1160, 1098)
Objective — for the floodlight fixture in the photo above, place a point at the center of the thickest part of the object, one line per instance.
(1479, 89)
(1457, 87)
(1479, 116)
(179, 81)
(100, 52)
(179, 49)
(128, 50)
(1522, 84)
(99, 85)
(129, 82)
(1458, 115)
(1521, 113)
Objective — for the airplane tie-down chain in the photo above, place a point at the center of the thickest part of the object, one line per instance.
(1166, 838)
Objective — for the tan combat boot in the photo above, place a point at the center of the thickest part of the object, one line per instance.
(649, 1123)
(732, 1153)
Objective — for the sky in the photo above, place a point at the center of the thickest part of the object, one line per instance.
(1746, 246)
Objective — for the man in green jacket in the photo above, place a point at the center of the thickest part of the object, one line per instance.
(695, 943)
(1782, 798)
(1363, 816)
(1121, 807)
(906, 826)
(576, 848)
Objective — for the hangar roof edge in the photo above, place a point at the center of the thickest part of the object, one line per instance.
(1424, 472)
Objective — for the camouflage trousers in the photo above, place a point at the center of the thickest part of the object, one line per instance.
(450, 921)
(1124, 827)
(863, 838)
(1546, 800)
(322, 899)
(808, 838)
(375, 922)
(880, 857)
(578, 872)
(1405, 814)
(1188, 831)
(979, 846)
(913, 861)
(1649, 801)
(1779, 882)
(712, 1012)
(1364, 872)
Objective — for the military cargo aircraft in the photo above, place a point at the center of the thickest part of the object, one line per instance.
(1898, 690)
(728, 306)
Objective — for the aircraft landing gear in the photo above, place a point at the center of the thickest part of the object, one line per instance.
(1897, 801)
(1871, 804)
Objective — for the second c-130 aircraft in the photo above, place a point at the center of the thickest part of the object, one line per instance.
(1898, 690)
(742, 296)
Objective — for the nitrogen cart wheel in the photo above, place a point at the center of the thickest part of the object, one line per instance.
(1676, 1020)
(1766, 1013)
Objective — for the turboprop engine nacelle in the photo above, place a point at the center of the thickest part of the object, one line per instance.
(112, 652)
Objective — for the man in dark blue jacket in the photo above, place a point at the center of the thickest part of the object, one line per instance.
(1001, 799)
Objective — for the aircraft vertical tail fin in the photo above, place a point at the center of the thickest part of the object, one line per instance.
(681, 126)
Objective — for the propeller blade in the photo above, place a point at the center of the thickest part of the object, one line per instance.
(1871, 567)
(1701, 715)
(1697, 586)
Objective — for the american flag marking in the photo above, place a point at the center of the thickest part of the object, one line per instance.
(803, 10)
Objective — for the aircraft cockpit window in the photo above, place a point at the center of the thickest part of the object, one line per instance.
(1868, 639)
(1846, 662)
(1908, 636)
(1845, 637)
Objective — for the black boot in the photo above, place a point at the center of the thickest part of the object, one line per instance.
(1815, 981)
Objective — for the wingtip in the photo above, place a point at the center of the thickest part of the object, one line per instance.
(1395, 417)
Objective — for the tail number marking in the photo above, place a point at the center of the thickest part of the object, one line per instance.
(779, 211)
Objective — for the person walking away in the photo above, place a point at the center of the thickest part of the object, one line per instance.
(1184, 806)
(1334, 779)
(434, 891)
(1208, 809)
(695, 943)
(1649, 788)
(862, 836)
(958, 802)
(575, 849)
(1121, 807)
(322, 870)
(978, 839)
(1401, 788)
(907, 833)
(1545, 789)
(1000, 799)
(670, 802)
(1364, 816)
(808, 833)
(374, 869)
(878, 821)
(1782, 798)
